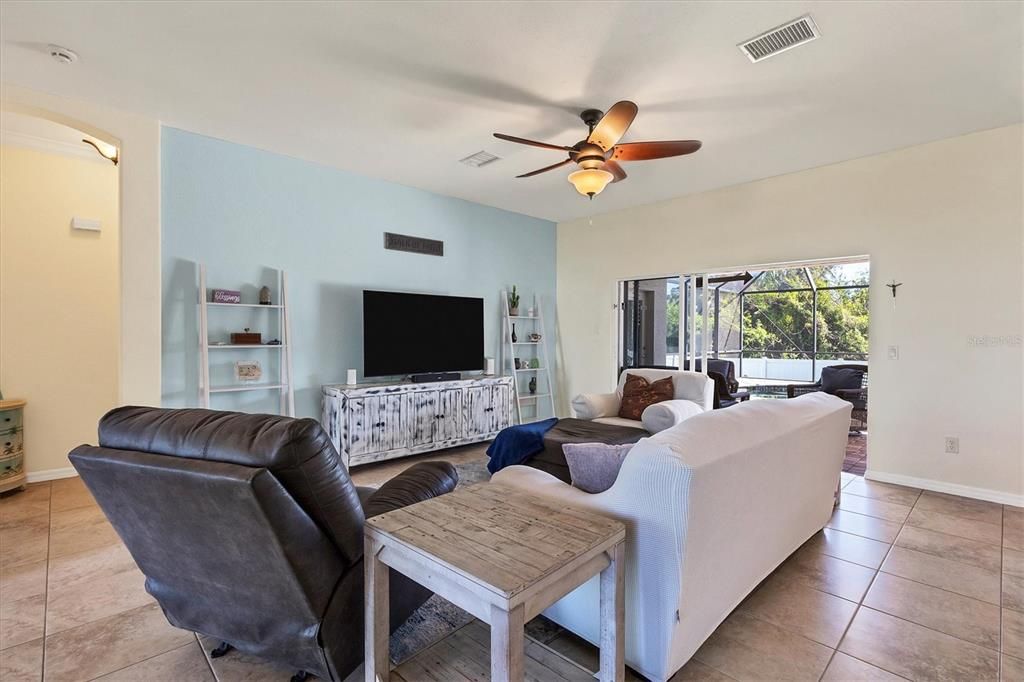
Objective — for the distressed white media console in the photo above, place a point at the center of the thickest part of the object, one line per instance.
(374, 422)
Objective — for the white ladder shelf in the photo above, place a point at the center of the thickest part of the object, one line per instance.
(284, 383)
(545, 391)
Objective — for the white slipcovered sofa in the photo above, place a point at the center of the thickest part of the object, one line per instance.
(711, 507)
(694, 393)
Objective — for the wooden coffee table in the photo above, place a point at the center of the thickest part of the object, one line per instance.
(502, 555)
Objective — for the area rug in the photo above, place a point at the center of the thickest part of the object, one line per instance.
(430, 623)
(473, 471)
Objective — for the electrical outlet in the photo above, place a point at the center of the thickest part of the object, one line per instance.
(952, 445)
(894, 352)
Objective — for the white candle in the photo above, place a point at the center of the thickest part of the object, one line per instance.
(351, 377)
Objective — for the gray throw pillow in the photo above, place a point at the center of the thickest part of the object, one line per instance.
(594, 466)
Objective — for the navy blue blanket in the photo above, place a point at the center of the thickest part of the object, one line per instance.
(516, 444)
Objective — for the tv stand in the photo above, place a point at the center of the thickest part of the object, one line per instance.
(374, 422)
(430, 377)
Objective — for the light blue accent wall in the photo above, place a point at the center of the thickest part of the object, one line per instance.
(245, 212)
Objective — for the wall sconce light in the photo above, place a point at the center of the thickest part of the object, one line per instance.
(110, 154)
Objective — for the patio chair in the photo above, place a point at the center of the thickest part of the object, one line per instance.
(849, 382)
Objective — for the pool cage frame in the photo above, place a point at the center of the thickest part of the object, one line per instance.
(689, 286)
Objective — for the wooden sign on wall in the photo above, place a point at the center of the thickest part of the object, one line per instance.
(421, 245)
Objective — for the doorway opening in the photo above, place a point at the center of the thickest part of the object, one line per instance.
(60, 285)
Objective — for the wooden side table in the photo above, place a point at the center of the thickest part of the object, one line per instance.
(502, 555)
(12, 452)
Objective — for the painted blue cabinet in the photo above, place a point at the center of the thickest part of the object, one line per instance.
(12, 445)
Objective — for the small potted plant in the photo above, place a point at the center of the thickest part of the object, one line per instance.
(513, 302)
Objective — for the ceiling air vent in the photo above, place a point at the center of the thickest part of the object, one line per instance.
(780, 39)
(481, 158)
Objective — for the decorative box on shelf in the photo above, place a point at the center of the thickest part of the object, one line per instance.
(227, 296)
(12, 455)
(246, 338)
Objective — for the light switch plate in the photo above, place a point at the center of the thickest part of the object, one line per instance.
(894, 352)
(91, 224)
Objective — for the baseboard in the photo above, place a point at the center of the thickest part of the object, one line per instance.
(51, 474)
(986, 494)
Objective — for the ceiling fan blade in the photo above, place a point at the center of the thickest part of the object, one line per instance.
(644, 151)
(533, 143)
(615, 169)
(613, 125)
(545, 169)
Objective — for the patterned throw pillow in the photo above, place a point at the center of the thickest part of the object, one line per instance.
(638, 394)
(594, 466)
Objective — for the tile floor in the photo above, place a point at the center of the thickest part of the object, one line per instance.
(900, 584)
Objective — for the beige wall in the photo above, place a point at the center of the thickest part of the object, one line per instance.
(138, 138)
(944, 218)
(59, 298)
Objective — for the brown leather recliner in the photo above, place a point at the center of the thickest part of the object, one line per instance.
(248, 528)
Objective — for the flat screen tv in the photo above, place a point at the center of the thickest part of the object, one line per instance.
(420, 333)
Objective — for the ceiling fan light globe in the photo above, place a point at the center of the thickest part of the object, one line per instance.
(590, 181)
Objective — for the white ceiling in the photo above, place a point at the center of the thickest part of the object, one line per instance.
(402, 91)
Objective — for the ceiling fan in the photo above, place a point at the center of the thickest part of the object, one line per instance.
(599, 154)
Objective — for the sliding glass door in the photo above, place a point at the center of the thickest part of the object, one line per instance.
(663, 322)
(649, 322)
(776, 325)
